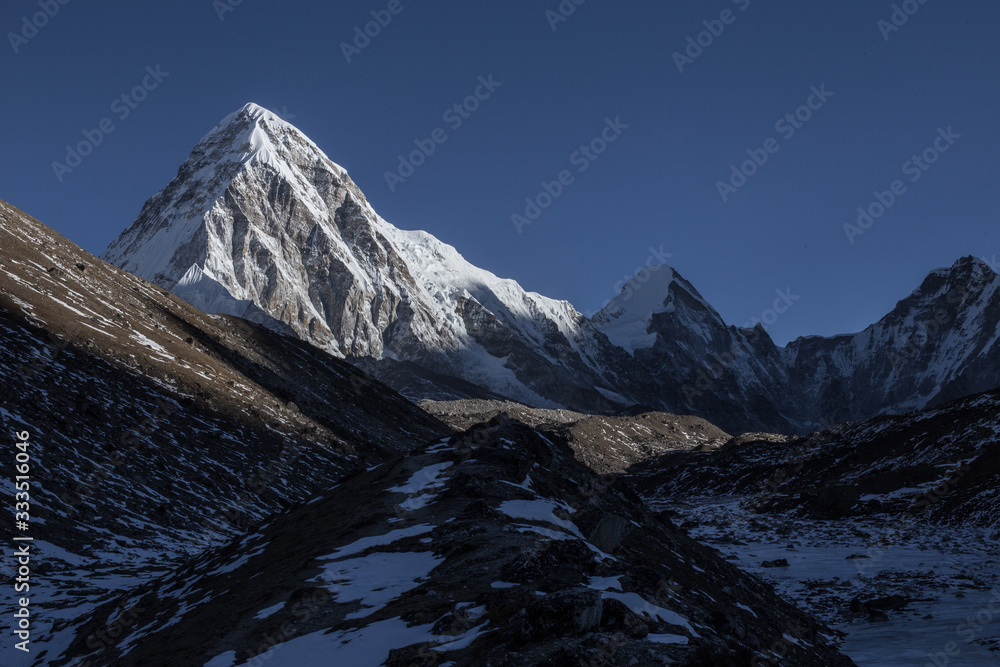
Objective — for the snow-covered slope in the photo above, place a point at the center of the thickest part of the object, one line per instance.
(260, 218)
(891, 506)
(626, 318)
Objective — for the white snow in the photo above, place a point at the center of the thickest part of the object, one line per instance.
(205, 293)
(540, 510)
(378, 578)
(638, 605)
(947, 571)
(427, 479)
(366, 543)
(422, 480)
(270, 611)
(605, 583)
(227, 659)
(151, 344)
(626, 318)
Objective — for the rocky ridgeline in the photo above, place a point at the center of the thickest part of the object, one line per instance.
(607, 444)
(494, 547)
(941, 464)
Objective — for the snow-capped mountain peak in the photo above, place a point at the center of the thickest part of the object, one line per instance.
(157, 245)
(656, 294)
(626, 318)
(259, 222)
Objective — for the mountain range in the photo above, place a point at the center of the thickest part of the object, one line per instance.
(207, 491)
(261, 224)
(220, 488)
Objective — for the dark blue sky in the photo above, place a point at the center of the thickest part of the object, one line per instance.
(655, 186)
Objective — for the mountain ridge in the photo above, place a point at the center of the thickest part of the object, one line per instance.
(260, 223)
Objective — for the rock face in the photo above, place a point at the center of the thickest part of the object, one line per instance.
(938, 344)
(470, 551)
(892, 519)
(697, 364)
(261, 224)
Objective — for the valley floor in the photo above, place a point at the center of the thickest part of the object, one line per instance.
(949, 577)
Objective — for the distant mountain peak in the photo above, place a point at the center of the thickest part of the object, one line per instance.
(654, 292)
(978, 264)
(625, 319)
(967, 265)
(258, 134)
(968, 277)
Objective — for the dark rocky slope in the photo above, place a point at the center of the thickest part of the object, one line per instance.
(495, 547)
(943, 464)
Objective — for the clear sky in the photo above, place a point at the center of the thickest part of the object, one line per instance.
(655, 186)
